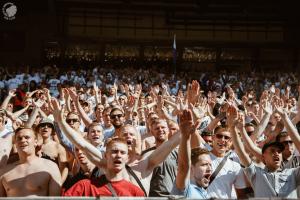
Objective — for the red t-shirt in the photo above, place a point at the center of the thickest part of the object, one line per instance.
(98, 187)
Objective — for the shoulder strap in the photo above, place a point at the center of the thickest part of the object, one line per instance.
(111, 189)
(131, 172)
(218, 169)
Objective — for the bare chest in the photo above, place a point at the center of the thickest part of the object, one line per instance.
(24, 182)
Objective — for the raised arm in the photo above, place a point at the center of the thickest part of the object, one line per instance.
(11, 93)
(291, 129)
(85, 118)
(264, 121)
(255, 150)
(76, 138)
(37, 105)
(237, 119)
(161, 153)
(18, 113)
(184, 153)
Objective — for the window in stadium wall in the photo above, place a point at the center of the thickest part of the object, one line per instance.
(154, 53)
(121, 52)
(199, 54)
(199, 58)
(82, 53)
(236, 59)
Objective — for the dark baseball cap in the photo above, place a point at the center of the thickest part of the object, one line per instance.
(269, 144)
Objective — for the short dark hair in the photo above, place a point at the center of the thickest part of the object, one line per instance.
(281, 134)
(196, 152)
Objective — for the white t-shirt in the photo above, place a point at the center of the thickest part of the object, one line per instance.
(35, 78)
(4, 133)
(53, 87)
(13, 83)
(229, 177)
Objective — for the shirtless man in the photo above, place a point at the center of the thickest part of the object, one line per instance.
(31, 175)
(51, 149)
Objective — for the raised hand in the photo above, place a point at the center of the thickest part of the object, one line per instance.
(74, 96)
(57, 110)
(193, 92)
(232, 116)
(267, 107)
(12, 93)
(240, 123)
(279, 108)
(186, 125)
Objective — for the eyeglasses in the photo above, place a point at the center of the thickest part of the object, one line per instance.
(287, 143)
(72, 120)
(219, 136)
(115, 116)
(46, 125)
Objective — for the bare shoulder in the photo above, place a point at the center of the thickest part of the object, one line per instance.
(47, 163)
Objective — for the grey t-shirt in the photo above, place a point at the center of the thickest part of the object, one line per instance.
(273, 184)
(164, 176)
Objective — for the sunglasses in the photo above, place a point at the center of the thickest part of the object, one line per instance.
(46, 125)
(287, 143)
(115, 116)
(72, 120)
(219, 136)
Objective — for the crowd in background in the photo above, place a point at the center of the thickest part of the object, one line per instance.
(107, 131)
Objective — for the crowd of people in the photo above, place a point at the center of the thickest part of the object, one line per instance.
(107, 131)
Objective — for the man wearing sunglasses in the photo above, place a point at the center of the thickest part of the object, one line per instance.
(117, 117)
(230, 181)
(289, 159)
(51, 149)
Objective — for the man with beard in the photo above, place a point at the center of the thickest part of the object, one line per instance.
(113, 182)
(117, 117)
(194, 166)
(31, 175)
(107, 126)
